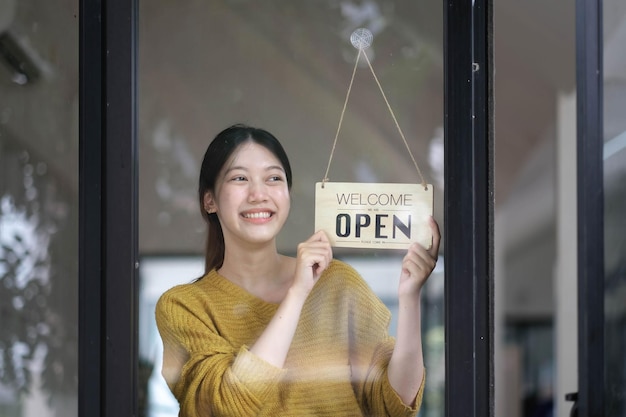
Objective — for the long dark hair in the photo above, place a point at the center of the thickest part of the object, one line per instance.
(216, 155)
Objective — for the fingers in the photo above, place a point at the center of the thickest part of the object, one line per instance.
(419, 262)
(317, 243)
(319, 236)
(315, 253)
(434, 228)
(433, 251)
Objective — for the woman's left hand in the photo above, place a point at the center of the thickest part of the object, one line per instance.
(419, 263)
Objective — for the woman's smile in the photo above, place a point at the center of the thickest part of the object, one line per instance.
(257, 215)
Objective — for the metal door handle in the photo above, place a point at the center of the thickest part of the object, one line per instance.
(573, 396)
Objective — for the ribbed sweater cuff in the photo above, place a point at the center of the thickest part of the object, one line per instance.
(259, 376)
(394, 403)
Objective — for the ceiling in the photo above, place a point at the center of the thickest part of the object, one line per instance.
(286, 66)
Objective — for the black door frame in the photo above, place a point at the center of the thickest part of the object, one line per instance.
(468, 211)
(108, 208)
(590, 205)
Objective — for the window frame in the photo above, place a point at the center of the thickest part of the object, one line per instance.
(468, 211)
(108, 259)
(590, 207)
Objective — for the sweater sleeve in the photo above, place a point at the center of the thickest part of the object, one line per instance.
(371, 349)
(379, 395)
(207, 375)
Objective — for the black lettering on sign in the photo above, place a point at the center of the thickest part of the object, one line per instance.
(343, 225)
(346, 231)
(362, 220)
(373, 199)
(380, 226)
(404, 228)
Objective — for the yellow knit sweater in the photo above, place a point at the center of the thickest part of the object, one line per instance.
(336, 365)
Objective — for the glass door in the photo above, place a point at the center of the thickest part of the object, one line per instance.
(601, 33)
(614, 158)
(288, 67)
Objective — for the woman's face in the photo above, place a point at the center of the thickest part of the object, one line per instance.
(251, 196)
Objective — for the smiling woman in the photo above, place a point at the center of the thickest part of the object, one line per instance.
(248, 171)
(261, 333)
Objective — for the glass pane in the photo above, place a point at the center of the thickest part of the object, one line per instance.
(38, 208)
(535, 190)
(287, 67)
(615, 205)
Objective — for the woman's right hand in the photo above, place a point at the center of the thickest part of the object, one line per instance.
(313, 257)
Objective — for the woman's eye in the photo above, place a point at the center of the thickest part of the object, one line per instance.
(238, 178)
(274, 178)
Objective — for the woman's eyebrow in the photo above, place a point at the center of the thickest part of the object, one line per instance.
(233, 168)
(278, 167)
(243, 168)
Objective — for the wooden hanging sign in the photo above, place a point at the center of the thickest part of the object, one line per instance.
(374, 215)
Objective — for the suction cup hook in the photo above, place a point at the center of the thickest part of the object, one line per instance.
(361, 38)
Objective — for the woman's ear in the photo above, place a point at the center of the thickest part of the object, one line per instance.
(209, 203)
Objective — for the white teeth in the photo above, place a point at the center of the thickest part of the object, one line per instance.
(262, 215)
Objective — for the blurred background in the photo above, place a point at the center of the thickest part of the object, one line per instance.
(286, 66)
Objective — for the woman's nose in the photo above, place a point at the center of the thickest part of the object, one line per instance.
(258, 191)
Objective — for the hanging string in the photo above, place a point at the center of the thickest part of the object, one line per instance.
(361, 48)
(419, 172)
(343, 111)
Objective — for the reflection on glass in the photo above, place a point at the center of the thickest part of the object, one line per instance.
(615, 206)
(159, 273)
(285, 66)
(38, 209)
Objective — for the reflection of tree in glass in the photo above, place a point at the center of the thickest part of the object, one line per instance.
(174, 183)
(38, 304)
(24, 277)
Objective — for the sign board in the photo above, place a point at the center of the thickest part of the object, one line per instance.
(378, 215)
